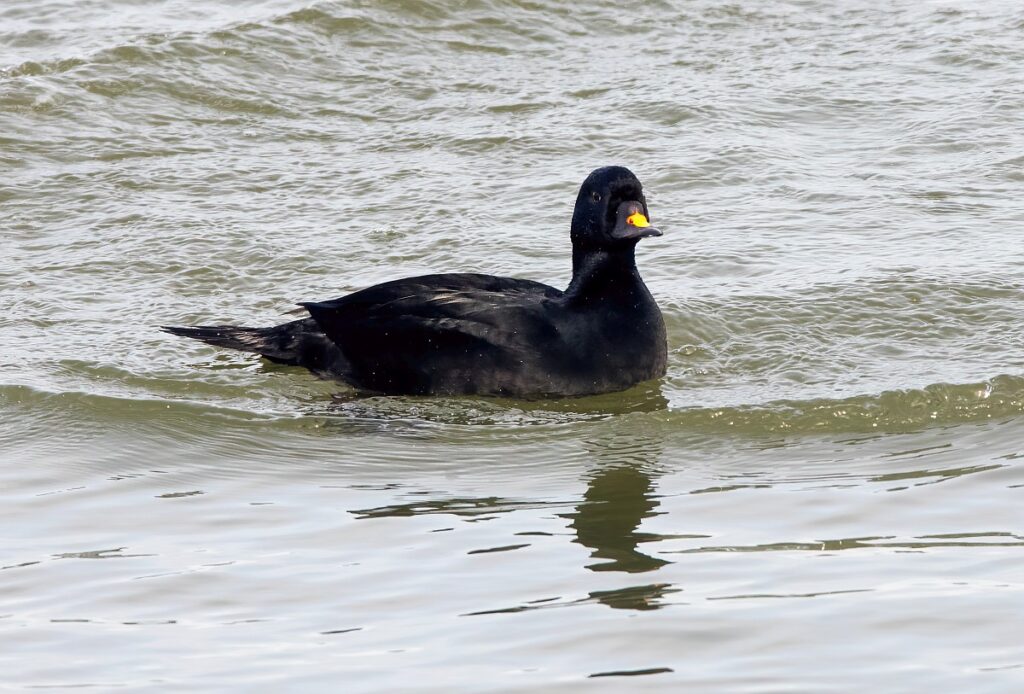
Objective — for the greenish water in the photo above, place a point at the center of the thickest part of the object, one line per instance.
(823, 494)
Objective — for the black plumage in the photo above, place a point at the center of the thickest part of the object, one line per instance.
(472, 333)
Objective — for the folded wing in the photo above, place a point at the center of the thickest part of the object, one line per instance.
(440, 333)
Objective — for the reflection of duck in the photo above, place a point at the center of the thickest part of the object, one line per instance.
(616, 501)
(619, 496)
(471, 333)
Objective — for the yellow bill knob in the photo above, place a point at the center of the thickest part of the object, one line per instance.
(638, 220)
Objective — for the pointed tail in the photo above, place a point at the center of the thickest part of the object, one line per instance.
(277, 343)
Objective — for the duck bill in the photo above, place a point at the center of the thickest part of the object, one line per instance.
(632, 223)
(634, 226)
(630, 233)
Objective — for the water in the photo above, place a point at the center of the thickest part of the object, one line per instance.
(823, 494)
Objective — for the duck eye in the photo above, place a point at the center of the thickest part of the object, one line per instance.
(595, 196)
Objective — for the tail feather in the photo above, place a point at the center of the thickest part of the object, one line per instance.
(299, 343)
(277, 343)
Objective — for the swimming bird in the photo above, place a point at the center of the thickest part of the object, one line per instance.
(451, 334)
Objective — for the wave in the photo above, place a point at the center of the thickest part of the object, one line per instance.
(286, 29)
(998, 398)
(896, 410)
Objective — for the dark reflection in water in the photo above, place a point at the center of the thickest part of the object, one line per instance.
(633, 673)
(620, 494)
(645, 597)
(932, 476)
(616, 501)
(468, 508)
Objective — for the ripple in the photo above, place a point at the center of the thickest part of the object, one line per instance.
(835, 450)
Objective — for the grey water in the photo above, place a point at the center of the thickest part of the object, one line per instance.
(823, 494)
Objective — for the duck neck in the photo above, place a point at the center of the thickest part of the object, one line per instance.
(603, 273)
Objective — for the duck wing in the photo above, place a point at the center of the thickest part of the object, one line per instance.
(454, 333)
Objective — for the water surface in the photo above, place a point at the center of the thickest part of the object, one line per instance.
(823, 494)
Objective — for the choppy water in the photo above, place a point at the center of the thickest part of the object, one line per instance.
(824, 494)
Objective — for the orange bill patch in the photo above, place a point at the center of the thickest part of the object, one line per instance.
(637, 220)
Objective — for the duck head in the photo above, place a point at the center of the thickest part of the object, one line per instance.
(611, 211)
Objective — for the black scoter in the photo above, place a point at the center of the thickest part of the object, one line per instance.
(471, 333)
